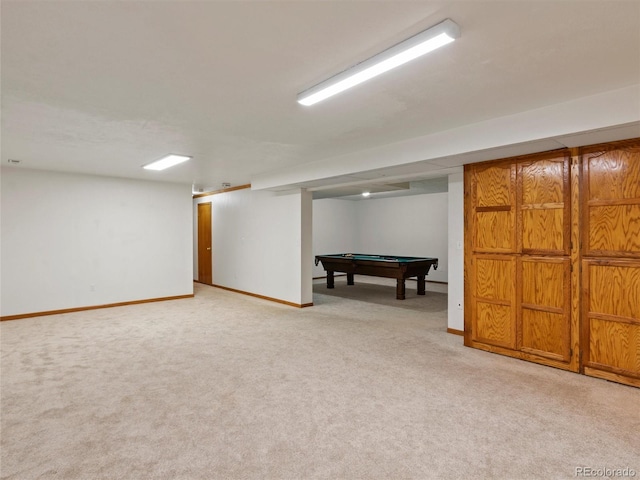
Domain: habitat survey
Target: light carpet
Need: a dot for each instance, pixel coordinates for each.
(227, 386)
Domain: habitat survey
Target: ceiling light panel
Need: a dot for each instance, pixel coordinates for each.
(166, 162)
(410, 49)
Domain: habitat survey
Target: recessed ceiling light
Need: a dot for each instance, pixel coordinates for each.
(166, 162)
(424, 42)
(366, 194)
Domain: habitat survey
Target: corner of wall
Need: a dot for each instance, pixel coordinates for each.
(455, 319)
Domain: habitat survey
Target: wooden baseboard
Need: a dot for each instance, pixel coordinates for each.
(91, 307)
(455, 332)
(263, 297)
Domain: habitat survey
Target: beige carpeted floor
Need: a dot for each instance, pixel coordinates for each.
(226, 386)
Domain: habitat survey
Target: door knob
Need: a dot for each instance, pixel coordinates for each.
(208, 248)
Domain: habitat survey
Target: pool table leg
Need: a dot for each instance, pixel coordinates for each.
(421, 288)
(329, 279)
(400, 288)
(349, 278)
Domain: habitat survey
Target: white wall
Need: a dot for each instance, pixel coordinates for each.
(456, 252)
(306, 250)
(415, 226)
(72, 240)
(334, 228)
(260, 243)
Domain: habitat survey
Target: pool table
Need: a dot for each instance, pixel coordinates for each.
(388, 266)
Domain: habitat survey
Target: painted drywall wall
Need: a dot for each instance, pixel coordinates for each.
(334, 228)
(456, 252)
(260, 243)
(306, 246)
(414, 225)
(72, 240)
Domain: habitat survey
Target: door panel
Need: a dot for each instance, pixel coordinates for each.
(545, 305)
(544, 214)
(614, 346)
(611, 202)
(495, 231)
(610, 332)
(494, 186)
(612, 309)
(493, 278)
(543, 181)
(204, 243)
(495, 324)
(544, 333)
(614, 288)
(543, 229)
(544, 268)
(613, 174)
(494, 209)
(545, 282)
(495, 301)
(614, 230)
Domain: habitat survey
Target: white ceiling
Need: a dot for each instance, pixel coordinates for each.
(105, 87)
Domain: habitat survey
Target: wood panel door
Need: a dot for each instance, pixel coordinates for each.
(519, 259)
(611, 262)
(552, 259)
(205, 263)
(491, 249)
(546, 328)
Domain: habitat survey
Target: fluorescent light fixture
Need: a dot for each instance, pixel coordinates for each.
(166, 162)
(424, 42)
(366, 194)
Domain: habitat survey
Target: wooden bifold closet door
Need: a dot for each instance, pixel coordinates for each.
(552, 259)
(518, 257)
(611, 262)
